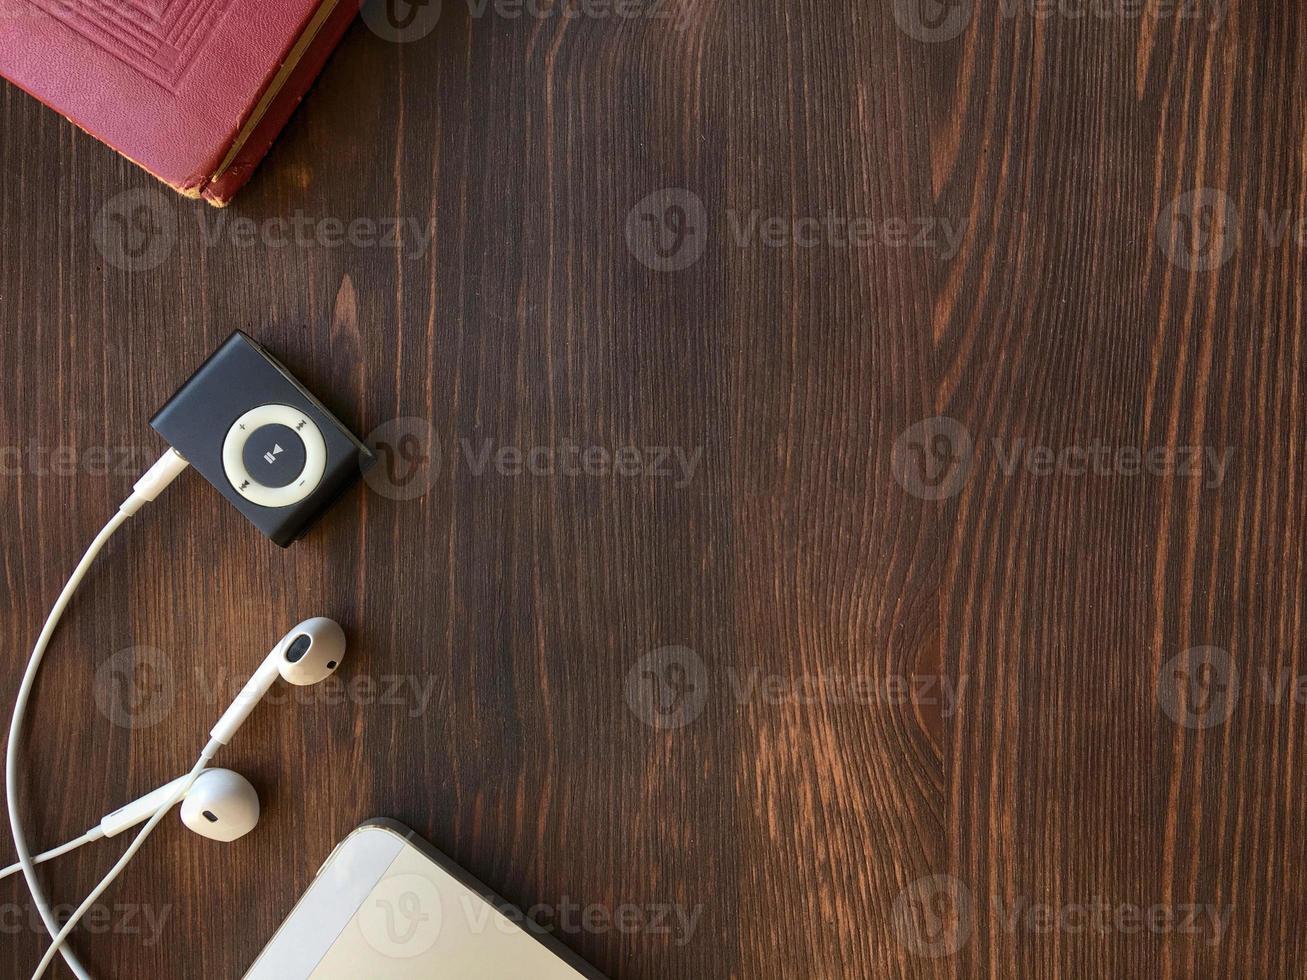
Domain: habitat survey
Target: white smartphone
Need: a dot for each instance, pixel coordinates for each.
(387, 905)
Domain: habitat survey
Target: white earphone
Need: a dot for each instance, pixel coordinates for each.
(222, 805)
(309, 653)
(198, 424)
(217, 804)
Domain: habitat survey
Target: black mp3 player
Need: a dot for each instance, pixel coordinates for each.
(252, 430)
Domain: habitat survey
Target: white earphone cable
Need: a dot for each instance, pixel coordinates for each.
(25, 861)
(90, 837)
(123, 861)
(163, 472)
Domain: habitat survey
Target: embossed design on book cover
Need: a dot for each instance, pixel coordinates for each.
(158, 38)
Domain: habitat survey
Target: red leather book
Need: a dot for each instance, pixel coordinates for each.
(195, 91)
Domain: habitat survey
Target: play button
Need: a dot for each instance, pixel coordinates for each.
(274, 455)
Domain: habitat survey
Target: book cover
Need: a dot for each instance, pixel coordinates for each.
(194, 91)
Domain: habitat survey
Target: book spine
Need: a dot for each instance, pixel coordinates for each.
(253, 143)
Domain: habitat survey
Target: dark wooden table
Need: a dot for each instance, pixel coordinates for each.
(790, 545)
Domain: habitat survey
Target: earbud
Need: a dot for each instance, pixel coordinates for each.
(221, 805)
(309, 653)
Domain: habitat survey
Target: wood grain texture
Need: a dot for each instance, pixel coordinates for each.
(810, 800)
